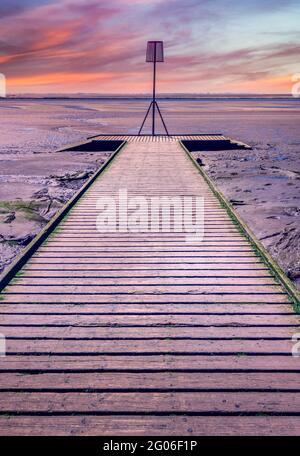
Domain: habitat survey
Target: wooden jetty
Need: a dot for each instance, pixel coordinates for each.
(127, 333)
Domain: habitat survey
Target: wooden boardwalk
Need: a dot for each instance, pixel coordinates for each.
(143, 333)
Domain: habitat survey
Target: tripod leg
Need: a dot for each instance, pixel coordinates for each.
(153, 118)
(162, 119)
(145, 118)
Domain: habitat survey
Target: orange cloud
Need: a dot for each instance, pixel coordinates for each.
(275, 84)
(59, 78)
(54, 37)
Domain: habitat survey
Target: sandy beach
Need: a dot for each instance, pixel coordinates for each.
(263, 183)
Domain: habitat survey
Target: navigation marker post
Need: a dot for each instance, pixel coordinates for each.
(155, 53)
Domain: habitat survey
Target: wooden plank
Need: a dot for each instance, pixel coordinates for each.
(143, 250)
(146, 289)
(141, 238)
(106, 381)
(81, 222)
(144, 237)
(186, 363)
(149, 332)
(93, 347)
(211, 221)
(148, 320)
(208, 198)
(137, 241)
(218, 259)
(134, 246)
(259, 282)
(57, 308)
(208, 230)
(150, 425)
(105, 275)
(93, 297)
(125, 266)
(211, 214)
(178, 256)
(152, 403)
(80, 214)
(153, 281)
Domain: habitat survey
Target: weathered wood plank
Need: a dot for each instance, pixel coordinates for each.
(97, 298)
(149, 332)
(195, 402)
(153, 255)
(227, 288)
(106, 275)
(239, 362)
(144, 237)
(150, 425)
(83, 249)
(143, 346)
(154, 281)
(171, 261)
(141, 308)
(125, 266)
(152, 381)
(148, 320)
(60, 241)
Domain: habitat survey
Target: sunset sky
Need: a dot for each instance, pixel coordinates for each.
(96, 46)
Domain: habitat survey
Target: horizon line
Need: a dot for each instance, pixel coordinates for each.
(145, 95)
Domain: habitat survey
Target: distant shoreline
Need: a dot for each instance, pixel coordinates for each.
(171, 97)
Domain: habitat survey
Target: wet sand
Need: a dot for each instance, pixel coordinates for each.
(263, 183)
